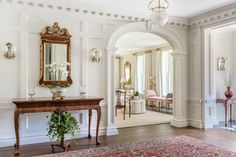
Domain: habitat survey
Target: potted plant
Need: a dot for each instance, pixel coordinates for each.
(136, 95)
(61, 123)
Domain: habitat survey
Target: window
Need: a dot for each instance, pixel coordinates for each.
(166, 72)
(140, 73)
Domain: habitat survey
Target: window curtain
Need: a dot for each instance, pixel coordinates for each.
(166, 73)
(148, 69)
(158, 73)
(140, 73)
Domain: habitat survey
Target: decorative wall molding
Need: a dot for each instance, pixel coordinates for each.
(215, 16)
(131, 17)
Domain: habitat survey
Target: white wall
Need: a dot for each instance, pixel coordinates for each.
(202, 102)
(222, 46)
(21, 25)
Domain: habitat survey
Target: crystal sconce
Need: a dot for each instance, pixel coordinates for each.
(9, 51)
(96, 55)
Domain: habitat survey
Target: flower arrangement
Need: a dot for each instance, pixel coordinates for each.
(228, 79)
(58, 71)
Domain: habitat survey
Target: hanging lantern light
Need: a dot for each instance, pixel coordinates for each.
(159, 15)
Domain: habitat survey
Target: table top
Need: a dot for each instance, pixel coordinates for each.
(47, 99)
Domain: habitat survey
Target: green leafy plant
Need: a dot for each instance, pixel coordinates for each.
(136, 93)
(61, 123)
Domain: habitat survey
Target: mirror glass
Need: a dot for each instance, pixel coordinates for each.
(54, 53)
(127, 72)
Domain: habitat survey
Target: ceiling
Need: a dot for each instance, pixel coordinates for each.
(138, 41)
(180, 8)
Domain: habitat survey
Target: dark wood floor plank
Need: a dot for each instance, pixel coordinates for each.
(217, 137)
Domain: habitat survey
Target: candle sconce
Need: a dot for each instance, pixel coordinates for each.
(9, 51)
(96, 55)
(221, 63)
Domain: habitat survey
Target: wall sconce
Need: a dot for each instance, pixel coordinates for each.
(221, 63)
(96, 55)
(9, 51)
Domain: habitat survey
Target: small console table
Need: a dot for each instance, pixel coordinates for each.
(50, 105)
(228, 108)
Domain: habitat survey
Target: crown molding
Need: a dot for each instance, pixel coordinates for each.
(214, 16)
(217, 15)
(85, 9)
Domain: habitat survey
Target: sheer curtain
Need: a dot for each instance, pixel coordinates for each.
(166, 72)
(140, 83)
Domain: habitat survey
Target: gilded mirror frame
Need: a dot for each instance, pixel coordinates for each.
(127, 67)
(55, 34)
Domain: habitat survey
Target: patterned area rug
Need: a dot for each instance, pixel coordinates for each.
(180, 146)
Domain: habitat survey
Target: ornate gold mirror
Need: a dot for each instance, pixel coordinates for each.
(127, 73)
(55, 56)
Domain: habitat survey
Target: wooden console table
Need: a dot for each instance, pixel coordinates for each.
(49, 105)
(228, 108)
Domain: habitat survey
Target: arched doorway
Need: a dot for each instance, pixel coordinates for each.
(179, 54)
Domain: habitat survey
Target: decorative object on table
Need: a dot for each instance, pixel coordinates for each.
(9, 51)
(136, 95)
(58, 71)
(83, 91)
(96, 55)
(228, 93)
(31, 91)
(61, 123)
(55, 47)
(159, 15)
(178, 146)
(228, 83)
(221, 63)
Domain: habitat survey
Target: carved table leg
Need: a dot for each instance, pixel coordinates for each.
(98, 123)
(129, 107)
(226, 115)
(16, 121)
(90, 119)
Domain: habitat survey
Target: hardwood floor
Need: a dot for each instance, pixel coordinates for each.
(215, 136)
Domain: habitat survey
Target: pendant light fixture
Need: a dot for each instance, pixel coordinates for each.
(159, 15)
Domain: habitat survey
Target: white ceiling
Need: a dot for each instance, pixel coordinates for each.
(181, 8)
(138, 41)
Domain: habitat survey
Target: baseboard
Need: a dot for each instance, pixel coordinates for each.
(195, 123)
(112, 130)
(179, 123)
(44, 138)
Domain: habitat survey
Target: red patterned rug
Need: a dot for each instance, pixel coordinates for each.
(180, 146)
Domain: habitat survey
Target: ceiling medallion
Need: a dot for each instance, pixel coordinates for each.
(159, 15)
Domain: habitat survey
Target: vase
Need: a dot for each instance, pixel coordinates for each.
(58, 92)
(136, 97)
(228, 93)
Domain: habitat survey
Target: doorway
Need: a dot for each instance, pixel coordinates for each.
(219, 56)
(143, 66)
(179, 70)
